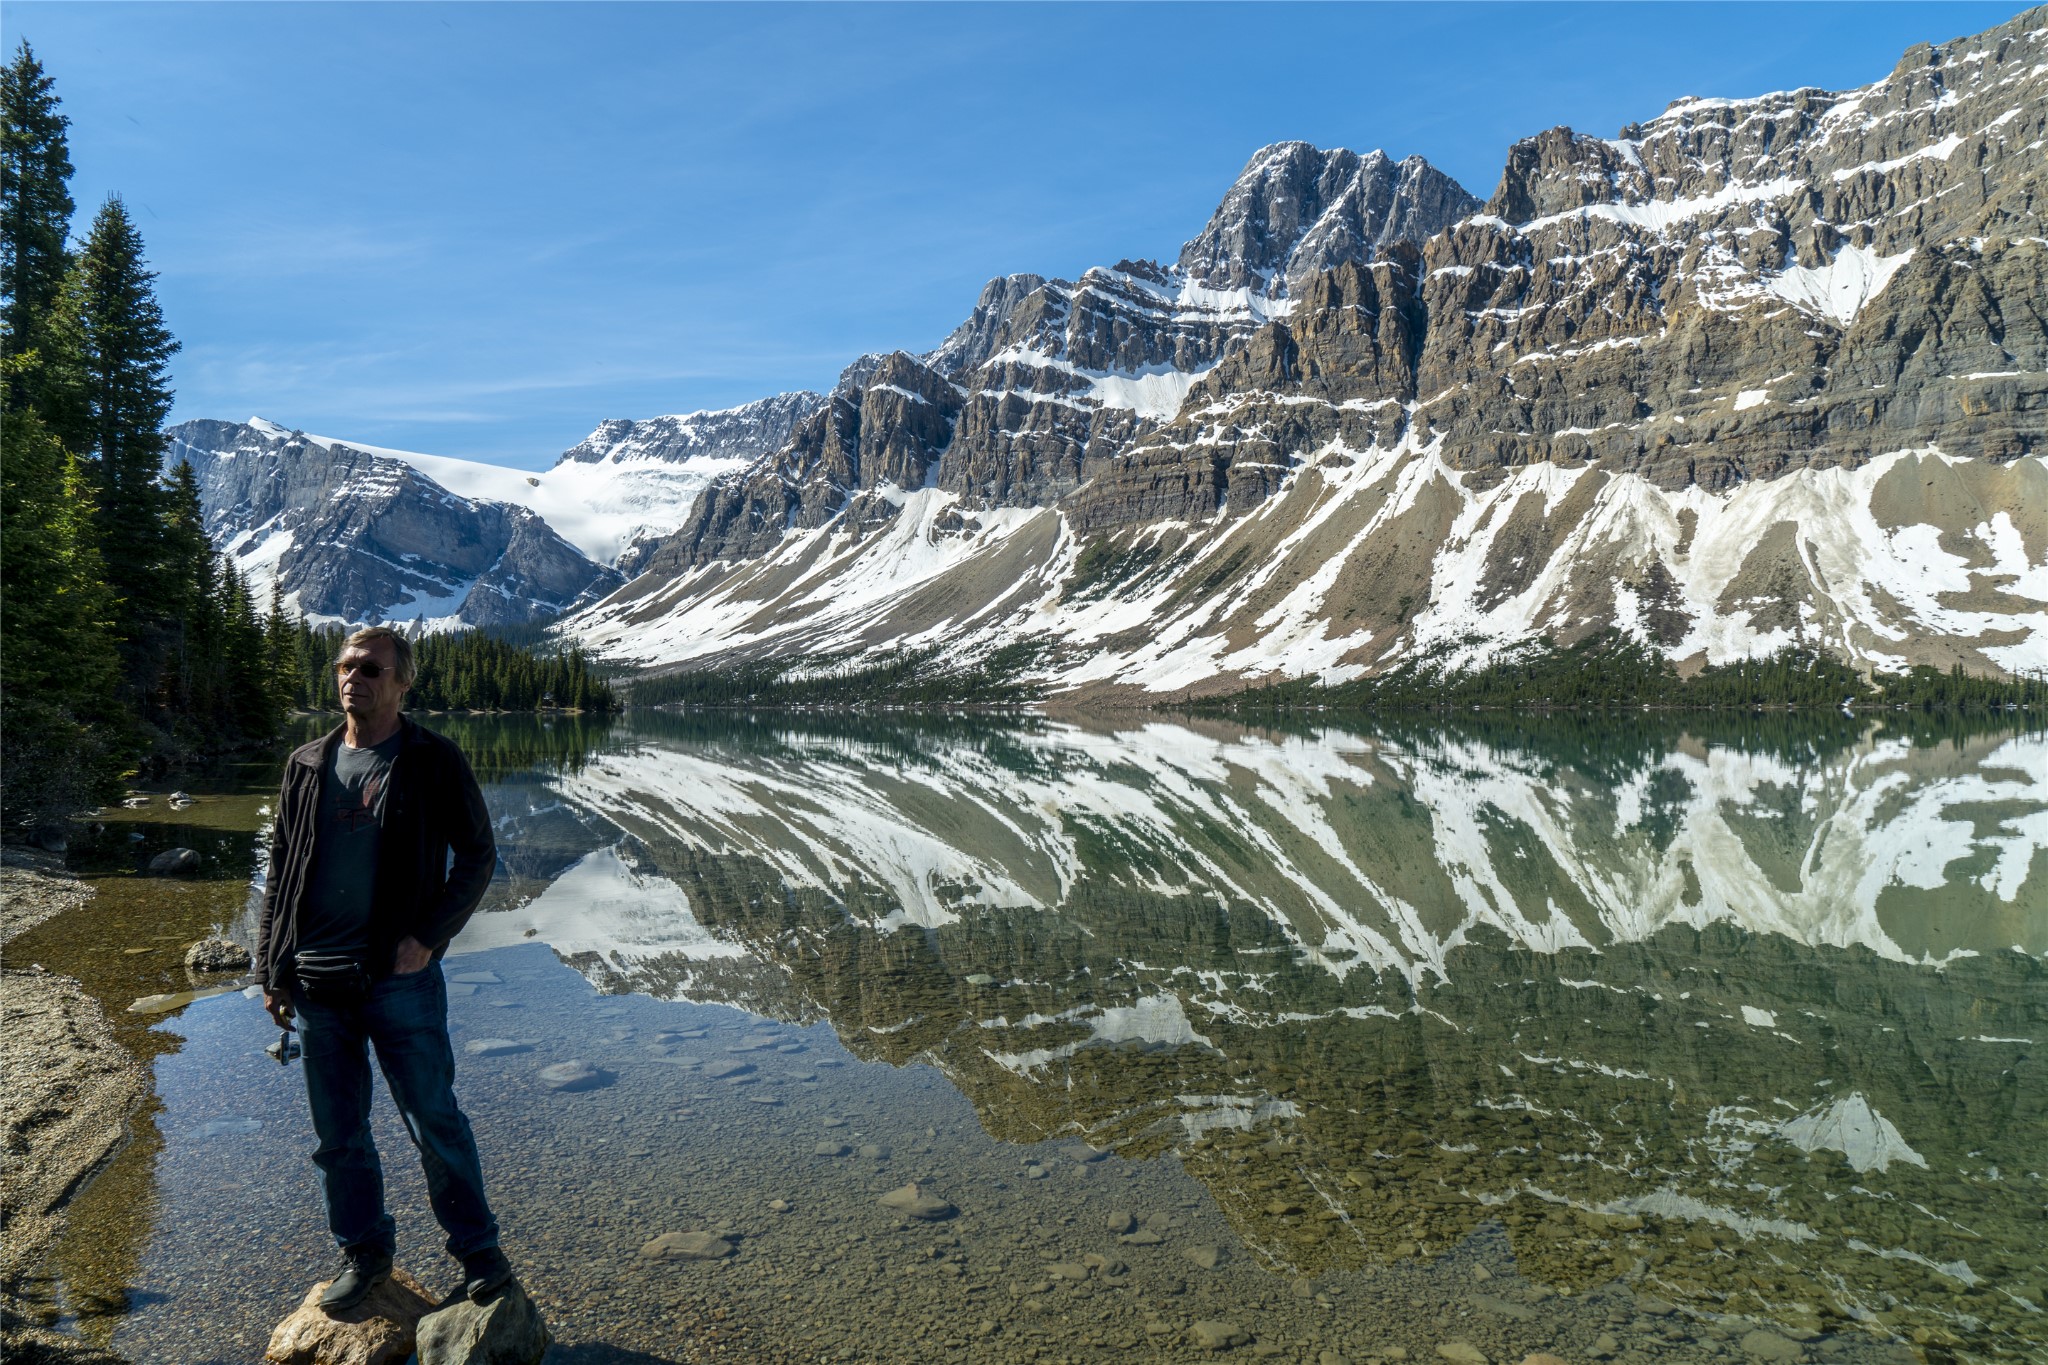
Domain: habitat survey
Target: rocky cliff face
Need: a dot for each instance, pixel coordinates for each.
(1296, 211)
(1049, 382)
(1752, 373)
(355, 536)
(883, 427)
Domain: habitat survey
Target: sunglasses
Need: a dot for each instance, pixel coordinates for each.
(369, 668)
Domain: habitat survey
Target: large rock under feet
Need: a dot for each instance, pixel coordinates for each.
(378, 1331)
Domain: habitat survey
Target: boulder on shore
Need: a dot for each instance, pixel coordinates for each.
(381, 1330)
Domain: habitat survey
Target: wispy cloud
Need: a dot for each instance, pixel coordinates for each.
(253, 252)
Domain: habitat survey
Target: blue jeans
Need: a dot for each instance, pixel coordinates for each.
(406, 1020)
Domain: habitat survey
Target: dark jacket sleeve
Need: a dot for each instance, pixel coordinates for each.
(267, 925)
(466, 824)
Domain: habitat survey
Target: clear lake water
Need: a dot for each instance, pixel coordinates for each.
(1680, 1039)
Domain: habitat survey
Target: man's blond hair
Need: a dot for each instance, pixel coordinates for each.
(400, 647)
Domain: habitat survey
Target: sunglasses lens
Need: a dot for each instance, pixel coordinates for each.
(370, 670)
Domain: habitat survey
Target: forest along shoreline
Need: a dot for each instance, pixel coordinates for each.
(71, 1094)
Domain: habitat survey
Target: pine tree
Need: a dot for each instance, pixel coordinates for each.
(191, 682)
(65, 737)
(280, 655)
(124, 358)
(185, 547)
(247, 709)
(35, 214)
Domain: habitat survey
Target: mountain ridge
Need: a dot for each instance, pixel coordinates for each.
(326, 527)
(1751, 373)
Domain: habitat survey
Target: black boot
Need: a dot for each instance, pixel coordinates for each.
(363, 1269)
(484, 1273)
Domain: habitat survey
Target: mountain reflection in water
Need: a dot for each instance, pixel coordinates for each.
(1754, 1021)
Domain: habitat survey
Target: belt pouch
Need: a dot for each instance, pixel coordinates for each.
(332, 980)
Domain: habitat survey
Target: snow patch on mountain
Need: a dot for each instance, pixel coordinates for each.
(602, 507)
(1839, 288)
(834, 581)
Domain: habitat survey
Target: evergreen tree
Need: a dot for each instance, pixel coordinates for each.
(246, 708)
(190, 682)
(124, 359)
(185, 548)
(281, 668)
(35, 213)
(64, 739)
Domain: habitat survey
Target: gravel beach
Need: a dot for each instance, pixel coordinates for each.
(65, 1108)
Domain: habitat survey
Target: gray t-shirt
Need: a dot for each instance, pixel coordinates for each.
(336, 918)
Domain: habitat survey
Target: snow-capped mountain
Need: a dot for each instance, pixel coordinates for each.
(1755, 372)
(362, 533)
(629, 484)
(358, 534)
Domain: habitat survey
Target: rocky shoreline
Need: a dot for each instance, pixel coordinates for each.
(71, 1091)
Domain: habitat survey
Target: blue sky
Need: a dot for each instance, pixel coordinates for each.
(478, 229)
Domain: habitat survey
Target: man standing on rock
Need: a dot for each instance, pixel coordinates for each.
(360, 903)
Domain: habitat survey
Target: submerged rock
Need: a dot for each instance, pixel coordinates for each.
(913, 1201)
(687, 1246)
(506, 1331)
(496, 1047)
(1763, 1344)
(381, 1330)
(174, 862)
(1212, 1335)
(159, 1004)
(216, 955)
(573, 1075)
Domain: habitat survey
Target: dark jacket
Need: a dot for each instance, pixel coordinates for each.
(433, 807)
